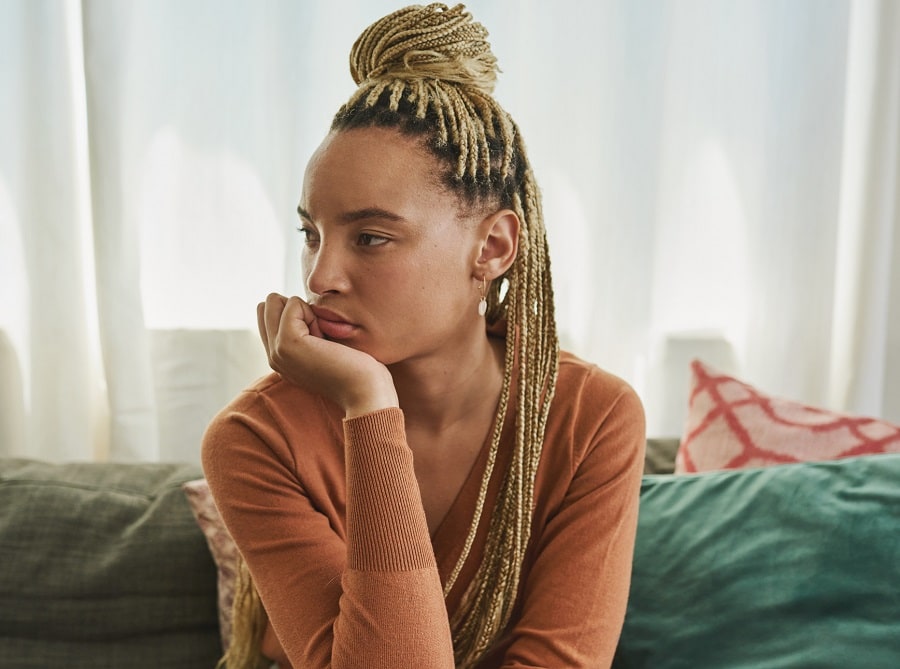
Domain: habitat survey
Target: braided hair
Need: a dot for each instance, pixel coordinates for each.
(428, 71)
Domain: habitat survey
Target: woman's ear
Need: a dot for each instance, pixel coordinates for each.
(499, 234)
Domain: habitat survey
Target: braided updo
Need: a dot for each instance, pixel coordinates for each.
(429, 72)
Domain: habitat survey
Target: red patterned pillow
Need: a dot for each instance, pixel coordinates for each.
(222, 547)
(732, 425)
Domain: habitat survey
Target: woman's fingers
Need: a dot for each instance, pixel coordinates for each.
(311, 321)
(298, 318)
(284, 323)
(261, 325)
(268, 320)
(272, 316)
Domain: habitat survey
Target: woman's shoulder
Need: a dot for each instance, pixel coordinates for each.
(595, 425)
(273, 405)
(590, 401)
(269, 393)
(583, 381)
(275, 417)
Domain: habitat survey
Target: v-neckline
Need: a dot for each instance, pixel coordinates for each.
(449, 536)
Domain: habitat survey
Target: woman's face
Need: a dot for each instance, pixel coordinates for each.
(388, 260)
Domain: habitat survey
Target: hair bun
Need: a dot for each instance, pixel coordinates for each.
(426, 42)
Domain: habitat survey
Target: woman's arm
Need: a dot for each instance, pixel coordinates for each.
(371, 598)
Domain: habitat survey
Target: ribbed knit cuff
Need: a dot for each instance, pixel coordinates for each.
(386, 526)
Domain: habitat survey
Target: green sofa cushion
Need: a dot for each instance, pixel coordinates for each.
(103, 566)
(794, 566)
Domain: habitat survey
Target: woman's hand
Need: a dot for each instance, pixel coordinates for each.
(296, 349)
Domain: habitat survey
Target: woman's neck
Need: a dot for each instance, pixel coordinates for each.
(439, 392)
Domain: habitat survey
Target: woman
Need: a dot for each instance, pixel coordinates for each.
(425, 481)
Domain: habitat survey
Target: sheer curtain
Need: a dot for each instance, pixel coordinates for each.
(720, 180)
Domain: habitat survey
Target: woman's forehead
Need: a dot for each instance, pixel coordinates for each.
(373, 157)
(374, 144)
(368, 167)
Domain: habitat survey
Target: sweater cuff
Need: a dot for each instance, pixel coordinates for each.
(386, 526)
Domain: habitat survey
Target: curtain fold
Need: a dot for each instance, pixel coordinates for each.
(108, 30)
(867, 283)
(44, 320)
(720, 180)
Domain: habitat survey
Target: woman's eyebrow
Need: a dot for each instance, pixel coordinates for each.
(358, 215)
(370, 212)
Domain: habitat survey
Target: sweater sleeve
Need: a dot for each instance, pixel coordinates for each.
(371, 599)
(574, 597)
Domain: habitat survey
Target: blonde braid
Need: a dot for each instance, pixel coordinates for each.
(430, 71)
(249, 621)
(443, 62)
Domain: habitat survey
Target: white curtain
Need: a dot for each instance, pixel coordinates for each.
(720, 180)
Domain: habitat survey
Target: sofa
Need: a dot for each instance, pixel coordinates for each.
(104, 565)
(787, 566)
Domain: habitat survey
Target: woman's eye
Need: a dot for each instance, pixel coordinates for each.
(310, 236)
(367, 239)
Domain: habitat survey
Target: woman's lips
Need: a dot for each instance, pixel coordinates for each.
(333, 324)
(336, 329)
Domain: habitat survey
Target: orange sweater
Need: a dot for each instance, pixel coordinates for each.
(328, 516)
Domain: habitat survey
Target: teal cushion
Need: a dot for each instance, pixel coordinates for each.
(780, 567)
(103, 566)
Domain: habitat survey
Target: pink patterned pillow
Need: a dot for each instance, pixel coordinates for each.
(732, 425)
(221, 545)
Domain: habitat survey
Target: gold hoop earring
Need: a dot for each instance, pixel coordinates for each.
(482, 303)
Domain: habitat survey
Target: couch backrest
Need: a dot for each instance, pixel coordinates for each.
(103, 566)
(773, 568)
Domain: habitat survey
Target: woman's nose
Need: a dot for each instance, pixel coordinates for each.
(325, 269)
